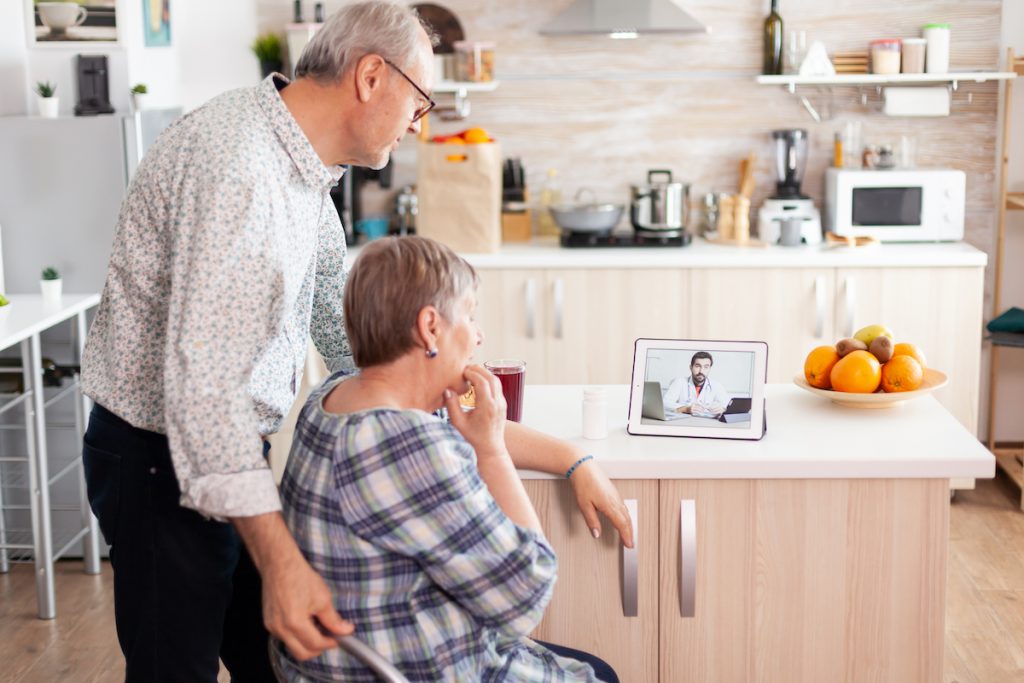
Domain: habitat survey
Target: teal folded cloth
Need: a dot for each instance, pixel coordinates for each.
(1010, 321)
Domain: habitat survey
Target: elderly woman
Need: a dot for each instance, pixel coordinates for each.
(421, 526)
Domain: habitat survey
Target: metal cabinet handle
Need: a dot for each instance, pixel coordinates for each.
(819, 301)
(630, 569)
(531, 308)
(688, 558)
(851, 304)
(558, 292)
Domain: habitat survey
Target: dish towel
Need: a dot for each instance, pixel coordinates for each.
(1010, 321)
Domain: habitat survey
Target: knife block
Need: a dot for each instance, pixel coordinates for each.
(515, 226)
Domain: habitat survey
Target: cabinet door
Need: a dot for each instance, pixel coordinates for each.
(938, 309)
(791, 309)
(511, 312)
(595, 315)
(587, 609)
(803, 580)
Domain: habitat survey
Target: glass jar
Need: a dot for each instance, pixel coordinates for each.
(937, 57)
(885, 56)
(474, 61)
(913, 55)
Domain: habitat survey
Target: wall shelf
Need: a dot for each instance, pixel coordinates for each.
(791, 81)
(465, 86)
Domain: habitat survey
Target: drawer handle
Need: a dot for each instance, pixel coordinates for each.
(688, 557)
(851, 305)
(559, 295)
(819, 300)
(531, 308)
(630, 570)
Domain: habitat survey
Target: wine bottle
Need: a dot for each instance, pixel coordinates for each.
(773, 41)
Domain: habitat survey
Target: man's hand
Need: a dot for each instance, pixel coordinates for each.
(297, 604)
(683, 409)
(596, 494)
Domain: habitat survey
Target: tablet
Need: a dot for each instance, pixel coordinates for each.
(698, 387)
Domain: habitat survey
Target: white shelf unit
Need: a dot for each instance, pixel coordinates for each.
(465, 86)
(791, 81)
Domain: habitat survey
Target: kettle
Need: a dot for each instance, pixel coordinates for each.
(660, 206)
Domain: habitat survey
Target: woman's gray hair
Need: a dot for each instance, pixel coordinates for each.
(377, 27)
(393, 279)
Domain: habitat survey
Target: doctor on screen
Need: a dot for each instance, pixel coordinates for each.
(697, 394)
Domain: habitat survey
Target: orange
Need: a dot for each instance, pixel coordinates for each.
(818, 366)
(904, 349)
(454, 140)
(902, 373)
(858, 372)
(475, 135)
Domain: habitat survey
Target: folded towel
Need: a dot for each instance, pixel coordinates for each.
(1010, 321)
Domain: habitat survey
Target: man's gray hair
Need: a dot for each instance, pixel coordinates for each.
(377, 27)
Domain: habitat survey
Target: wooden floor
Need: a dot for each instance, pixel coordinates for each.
(984, 623)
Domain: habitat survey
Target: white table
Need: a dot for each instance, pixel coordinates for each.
(808, 438)
(21, 323)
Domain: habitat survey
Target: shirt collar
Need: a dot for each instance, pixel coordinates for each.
(296, 144)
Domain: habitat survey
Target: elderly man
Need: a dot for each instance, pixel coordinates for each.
(228, 253)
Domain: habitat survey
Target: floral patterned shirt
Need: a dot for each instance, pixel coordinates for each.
(228, 253)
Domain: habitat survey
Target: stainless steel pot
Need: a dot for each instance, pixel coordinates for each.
(596, 217)
(661, 205)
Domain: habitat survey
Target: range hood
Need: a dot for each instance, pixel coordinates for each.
(622, 19)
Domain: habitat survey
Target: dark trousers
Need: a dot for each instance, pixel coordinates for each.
(185, 590)
(602, 669)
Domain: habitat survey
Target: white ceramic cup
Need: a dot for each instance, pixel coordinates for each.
(60, 16)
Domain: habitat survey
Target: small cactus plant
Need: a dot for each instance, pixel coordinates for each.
(140, 89)
(46, 89)
(50, 274)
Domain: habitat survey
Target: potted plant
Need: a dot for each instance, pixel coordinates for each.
(139, 93)
(267, 49)
(47, 99)
(51, 285)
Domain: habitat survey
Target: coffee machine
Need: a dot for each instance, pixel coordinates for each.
(789, 205)
(347, 194)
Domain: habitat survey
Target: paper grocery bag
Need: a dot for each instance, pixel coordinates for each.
(459, 193)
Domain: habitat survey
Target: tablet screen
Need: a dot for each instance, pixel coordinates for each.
(698, 388)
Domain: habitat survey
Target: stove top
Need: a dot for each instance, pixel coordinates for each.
(633, 239)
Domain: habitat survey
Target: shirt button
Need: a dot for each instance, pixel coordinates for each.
(152, 470)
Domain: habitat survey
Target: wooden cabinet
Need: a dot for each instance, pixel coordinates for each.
(805, 580)
(578, 325)
(790, 308)
(587, 610)
(791, 580)
(939, 309)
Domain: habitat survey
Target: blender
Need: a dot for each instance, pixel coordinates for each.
(789, 217)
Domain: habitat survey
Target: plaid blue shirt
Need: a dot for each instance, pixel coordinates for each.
(387, 505)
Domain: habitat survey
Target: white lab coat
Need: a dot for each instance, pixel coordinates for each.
(682, 392)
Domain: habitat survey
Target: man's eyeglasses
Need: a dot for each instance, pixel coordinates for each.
(422, 111)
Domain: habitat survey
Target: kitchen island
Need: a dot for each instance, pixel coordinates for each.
(815, 554)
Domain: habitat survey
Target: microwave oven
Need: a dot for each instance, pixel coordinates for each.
(908, 205)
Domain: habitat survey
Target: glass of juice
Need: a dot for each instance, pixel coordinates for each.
(512, 375)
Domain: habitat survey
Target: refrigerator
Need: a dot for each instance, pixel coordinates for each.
(61, 185)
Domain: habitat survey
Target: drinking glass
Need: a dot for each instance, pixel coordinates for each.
(908, 151)
(512, 375)
(796, 50)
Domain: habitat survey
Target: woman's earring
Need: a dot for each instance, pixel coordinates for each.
(432, 353)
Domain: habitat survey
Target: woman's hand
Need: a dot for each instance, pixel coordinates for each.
(484, 426)
(595, 494)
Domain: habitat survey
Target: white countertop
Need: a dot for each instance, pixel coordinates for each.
(27, 314)
(808, 438)
(545, 253)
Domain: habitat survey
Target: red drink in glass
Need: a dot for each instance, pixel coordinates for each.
(512, 375)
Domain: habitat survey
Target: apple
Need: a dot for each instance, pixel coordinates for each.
(868, 334)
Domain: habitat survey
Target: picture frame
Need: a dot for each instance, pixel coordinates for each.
(74, 23)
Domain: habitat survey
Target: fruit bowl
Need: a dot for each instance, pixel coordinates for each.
(933, 379)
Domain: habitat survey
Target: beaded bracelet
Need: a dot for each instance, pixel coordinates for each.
(577, 464)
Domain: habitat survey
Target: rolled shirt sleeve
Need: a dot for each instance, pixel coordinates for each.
(425, 499)
(225, 305)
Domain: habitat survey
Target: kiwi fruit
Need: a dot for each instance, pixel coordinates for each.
(849, 345)
(881, 348)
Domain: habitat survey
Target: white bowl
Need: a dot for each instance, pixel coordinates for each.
(933, 379)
